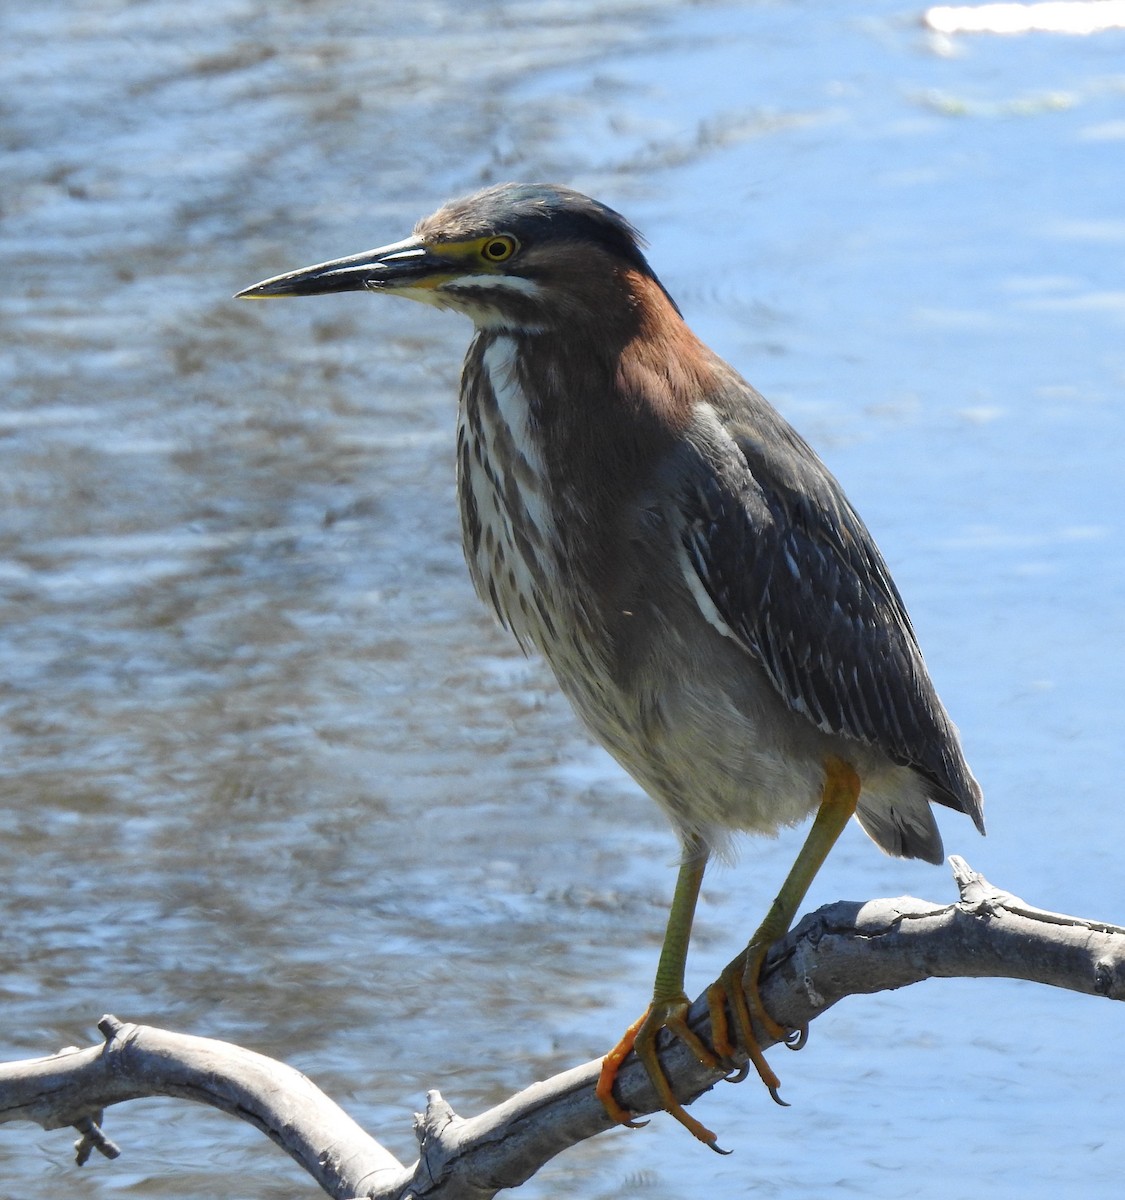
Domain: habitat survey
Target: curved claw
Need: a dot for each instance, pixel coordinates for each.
(738, 1074)
(797, 1039)
(640, 1038)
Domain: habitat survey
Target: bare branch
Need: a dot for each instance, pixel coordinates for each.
(73, 1086)
(840, 950)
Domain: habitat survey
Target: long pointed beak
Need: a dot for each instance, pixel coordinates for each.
(403, 264)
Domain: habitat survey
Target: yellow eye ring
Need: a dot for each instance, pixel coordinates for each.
(498, 249)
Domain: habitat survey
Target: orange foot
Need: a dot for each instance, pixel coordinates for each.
(738, 988)
(640, 1038)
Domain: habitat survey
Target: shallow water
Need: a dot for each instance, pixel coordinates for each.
(270, 773)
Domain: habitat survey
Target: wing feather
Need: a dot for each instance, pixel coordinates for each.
(794, 573)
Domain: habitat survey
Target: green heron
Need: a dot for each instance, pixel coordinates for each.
(710, 603)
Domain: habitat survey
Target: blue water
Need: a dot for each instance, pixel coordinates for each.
(269, 772)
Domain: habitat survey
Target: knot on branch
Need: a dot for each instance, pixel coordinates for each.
(93, 1139)
(1105, 978)
(978, 896)
(110, 1027)
(438, 1131)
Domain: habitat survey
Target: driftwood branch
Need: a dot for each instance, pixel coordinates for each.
(840, 950)
(74, 1086)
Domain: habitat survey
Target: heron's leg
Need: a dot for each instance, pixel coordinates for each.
(669, 1005)
(738, 983)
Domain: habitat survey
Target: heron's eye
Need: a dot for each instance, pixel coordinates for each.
(498, 249)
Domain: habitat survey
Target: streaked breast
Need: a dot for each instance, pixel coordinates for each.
(509, 535)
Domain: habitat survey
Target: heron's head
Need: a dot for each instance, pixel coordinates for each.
(514, 256)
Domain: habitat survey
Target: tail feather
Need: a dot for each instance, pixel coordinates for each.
(904, 829)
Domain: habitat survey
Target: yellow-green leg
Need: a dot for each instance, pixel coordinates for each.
(669, 1006)
(738, 984)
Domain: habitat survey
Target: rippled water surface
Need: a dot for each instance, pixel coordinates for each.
(269, 772)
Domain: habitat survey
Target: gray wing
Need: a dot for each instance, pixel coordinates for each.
(798, 579)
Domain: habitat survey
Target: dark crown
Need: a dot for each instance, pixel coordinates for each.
(537, 212)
